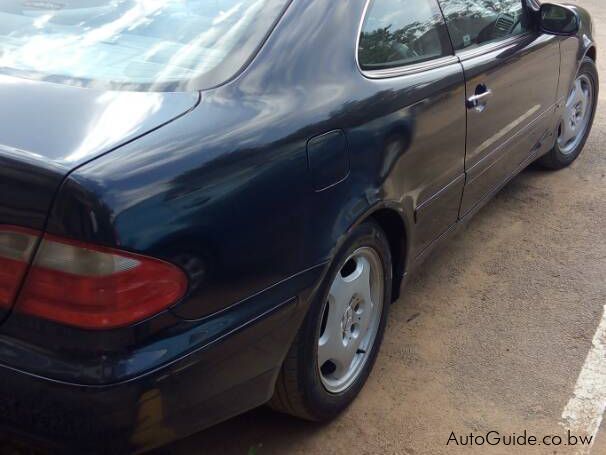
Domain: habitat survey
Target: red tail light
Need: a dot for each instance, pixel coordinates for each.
(16, 248)
(96, 287)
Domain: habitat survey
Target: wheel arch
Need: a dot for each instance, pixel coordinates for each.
(592, 53)
(393, 223)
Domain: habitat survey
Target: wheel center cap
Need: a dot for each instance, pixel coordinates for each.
(347, 320)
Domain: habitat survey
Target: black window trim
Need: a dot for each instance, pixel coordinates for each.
(404, 69)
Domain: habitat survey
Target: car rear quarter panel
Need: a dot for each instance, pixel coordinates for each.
(226, 192)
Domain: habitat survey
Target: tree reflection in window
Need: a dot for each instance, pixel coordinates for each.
(476, 22)
(401, 32)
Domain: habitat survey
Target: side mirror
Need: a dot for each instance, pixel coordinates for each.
(558, 19)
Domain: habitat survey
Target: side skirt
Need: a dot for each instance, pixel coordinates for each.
(455, 228)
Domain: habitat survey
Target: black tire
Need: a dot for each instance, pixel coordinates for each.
(299, 390)
(555, 159)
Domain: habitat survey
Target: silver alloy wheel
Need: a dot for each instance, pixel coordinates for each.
(351, 319)
(577, 115)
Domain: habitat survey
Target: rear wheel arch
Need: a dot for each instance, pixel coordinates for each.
(393, 225)
(592, 53)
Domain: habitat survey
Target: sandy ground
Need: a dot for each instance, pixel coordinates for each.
(491, 334)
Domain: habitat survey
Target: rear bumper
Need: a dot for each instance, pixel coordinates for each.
(226, 378)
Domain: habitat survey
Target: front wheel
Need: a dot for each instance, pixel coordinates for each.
(576, 121)
(338, 342)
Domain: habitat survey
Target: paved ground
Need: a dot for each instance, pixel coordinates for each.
(492, 334)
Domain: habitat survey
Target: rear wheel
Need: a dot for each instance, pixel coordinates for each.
(577, 118)
(338, 342)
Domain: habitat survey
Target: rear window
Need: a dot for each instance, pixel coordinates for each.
(133, 44)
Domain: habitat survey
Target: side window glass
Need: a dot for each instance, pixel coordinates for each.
(475, 22)
(402, 32)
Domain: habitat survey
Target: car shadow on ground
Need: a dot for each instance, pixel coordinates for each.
(248, 433)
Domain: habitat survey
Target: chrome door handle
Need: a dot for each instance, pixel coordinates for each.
(478, 101)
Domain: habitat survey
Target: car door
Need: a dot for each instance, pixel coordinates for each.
(414, 80)
(511, 73)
